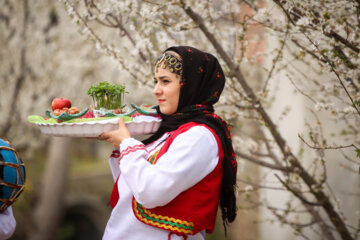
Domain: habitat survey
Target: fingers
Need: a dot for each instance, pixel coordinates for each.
(90, 138)
(124, 129)
(121, 123)
(117, 136)
(104, 136)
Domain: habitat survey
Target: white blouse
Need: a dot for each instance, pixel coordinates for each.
(7, 224)
(191, 157)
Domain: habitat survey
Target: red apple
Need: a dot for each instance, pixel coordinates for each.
(60, 103)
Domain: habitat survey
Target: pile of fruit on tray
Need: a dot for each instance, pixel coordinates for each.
(66, 120)
(60, 105)
(63, 111)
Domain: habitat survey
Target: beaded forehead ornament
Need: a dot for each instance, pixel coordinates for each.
(169, 61)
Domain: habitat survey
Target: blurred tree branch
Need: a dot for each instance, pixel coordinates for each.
(19, 81)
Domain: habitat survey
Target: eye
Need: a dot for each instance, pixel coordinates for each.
(155, 81)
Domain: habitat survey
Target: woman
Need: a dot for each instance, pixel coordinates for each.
(169, 186)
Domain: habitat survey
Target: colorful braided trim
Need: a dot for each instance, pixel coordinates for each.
(163, 222)
(153, 158)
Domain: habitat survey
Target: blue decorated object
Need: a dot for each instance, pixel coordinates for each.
(12, 175)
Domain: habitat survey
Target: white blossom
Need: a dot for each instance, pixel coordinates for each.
(238, 142)
(251, 145)
(248, 188)
(349, 110)
(262, 14)
(319, 106)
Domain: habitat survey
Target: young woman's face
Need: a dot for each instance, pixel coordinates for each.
(167, 90)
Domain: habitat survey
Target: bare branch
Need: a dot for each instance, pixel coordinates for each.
(276, 59)
(348, 158)
(302, 92)
(340, 53)
(327, 147)
(269, 148)
(296, 193)
(295, 226)
(350, 169)
(243, 107)
(262, 163)
(308, 51)
(285, 12)
(325, 228)
(339, 38)
(260, 186)
(251, 5)
(22, 75)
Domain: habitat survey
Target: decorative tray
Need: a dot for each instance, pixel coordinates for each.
(140, 125)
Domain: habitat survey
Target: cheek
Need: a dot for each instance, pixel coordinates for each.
(177, 94)
(176, 97)
(175, 91)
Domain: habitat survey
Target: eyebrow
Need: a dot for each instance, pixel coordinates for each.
(162, 77)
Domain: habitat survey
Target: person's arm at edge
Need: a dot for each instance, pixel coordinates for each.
(7, 224)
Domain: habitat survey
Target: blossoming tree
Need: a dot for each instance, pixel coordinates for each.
(312, 46)
(314, 42)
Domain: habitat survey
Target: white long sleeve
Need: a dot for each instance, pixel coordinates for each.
(191, 156)
(7, 224)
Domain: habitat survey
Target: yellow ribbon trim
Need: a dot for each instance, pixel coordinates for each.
(162, 225)
(167, 218)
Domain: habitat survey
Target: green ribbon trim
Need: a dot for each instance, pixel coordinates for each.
(173, 224)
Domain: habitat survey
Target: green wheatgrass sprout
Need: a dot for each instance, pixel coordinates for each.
(105, 95)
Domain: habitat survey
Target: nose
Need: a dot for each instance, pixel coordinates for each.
(157, 90)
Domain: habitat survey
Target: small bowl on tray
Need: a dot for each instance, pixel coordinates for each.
(145, 109)
(126, 111)
(65, 116)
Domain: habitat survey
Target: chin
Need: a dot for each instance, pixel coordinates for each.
(166, 111)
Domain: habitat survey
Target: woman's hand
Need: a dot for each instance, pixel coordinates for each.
(117, 136)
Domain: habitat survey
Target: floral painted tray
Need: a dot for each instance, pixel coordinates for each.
(140, 125)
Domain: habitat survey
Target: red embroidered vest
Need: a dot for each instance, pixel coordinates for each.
(194, 209)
